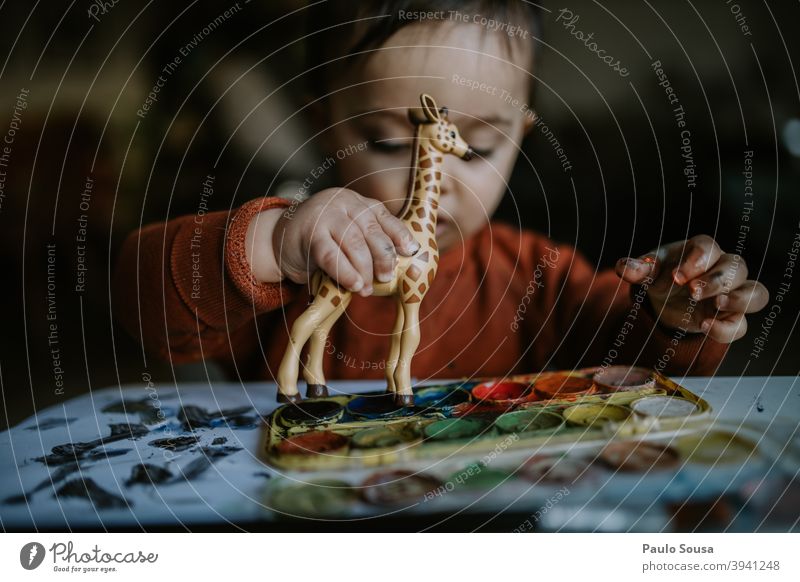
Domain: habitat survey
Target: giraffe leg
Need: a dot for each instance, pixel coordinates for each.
(312, 371)
(408, 346)
(394, 349)
(302, 328)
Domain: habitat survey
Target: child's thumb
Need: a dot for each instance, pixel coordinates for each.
(637, 270)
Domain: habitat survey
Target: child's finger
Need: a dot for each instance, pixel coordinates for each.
(729, 272)
(384, 257)
(396, 230)
(328, 256)
(750, 297)
(352, 242)
(699, 254)
(725, 329)
(637, 270)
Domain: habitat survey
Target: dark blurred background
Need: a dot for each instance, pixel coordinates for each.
(74, 74)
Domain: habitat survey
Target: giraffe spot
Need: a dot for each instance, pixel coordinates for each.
(413, 299)
(426, 163)
(422, 287)
(422, 258)
(417, 184)
(438, 175)
(438, 159)
(430, 228)
(323, 292)
(413, 272)
(434, 204)
(406, 287)
(422, 152)
(432, 187)
(431, 275)
(432, 244)
(428, 177)
(336, 301)
(416, 226)
(421, 212)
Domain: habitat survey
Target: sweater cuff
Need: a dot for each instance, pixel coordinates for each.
(263, 296)
(679, 352)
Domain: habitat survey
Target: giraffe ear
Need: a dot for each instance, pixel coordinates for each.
(429, 107)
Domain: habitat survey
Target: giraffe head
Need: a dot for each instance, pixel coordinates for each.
(437, 130)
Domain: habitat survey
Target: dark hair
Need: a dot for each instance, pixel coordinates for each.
(343, 31)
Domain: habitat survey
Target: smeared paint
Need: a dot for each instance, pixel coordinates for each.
(313, 443)
(194, 417)
(49, 423)
(384, 436)
(199, 466)
(759, 405)
(148, 474)
(397, 486)
(92, 492)
(145, 408)
(322, 498)
(640, 456)
(55, 477)
(75, 452)
(219, 441)
(179, 443)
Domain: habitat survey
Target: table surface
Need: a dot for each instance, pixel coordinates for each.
(221, 481)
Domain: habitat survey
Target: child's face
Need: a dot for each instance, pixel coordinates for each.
(391, 81)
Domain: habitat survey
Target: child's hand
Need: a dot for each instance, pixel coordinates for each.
(350, 237)
(698, 270)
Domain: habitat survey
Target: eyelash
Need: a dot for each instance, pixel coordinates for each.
(385, 147)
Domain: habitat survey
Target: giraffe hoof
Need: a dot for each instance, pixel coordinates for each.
(289, 398)
(316, 391)
(404, 400)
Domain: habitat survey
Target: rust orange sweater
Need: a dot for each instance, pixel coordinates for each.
(504, 301)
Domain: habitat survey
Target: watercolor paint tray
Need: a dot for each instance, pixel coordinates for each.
(542, 413)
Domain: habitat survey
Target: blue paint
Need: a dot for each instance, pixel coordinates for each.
(372, 406)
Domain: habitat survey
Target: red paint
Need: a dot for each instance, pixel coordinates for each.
(312, 443)
(499, 390)
(559, 386)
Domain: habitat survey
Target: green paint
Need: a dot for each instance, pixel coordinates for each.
(454, 428)
(478, 476)
(528, 421)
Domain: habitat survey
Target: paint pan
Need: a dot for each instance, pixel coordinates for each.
(478, 476)
(316, 442)
(384, 436)
(562, 386)
(440, 397)
(450, 429)
(397, 487)
(373, 406)
(529, 420)
(638, 456)
(595, 415)
(716, 448)
(501, 391)
(664, 407)
(624, 379)
(310, 413)
(555, 469)
(322, 498)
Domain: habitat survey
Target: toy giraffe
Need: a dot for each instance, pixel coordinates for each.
(434, 136)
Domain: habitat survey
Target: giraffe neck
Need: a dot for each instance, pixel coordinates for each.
(422, 206)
